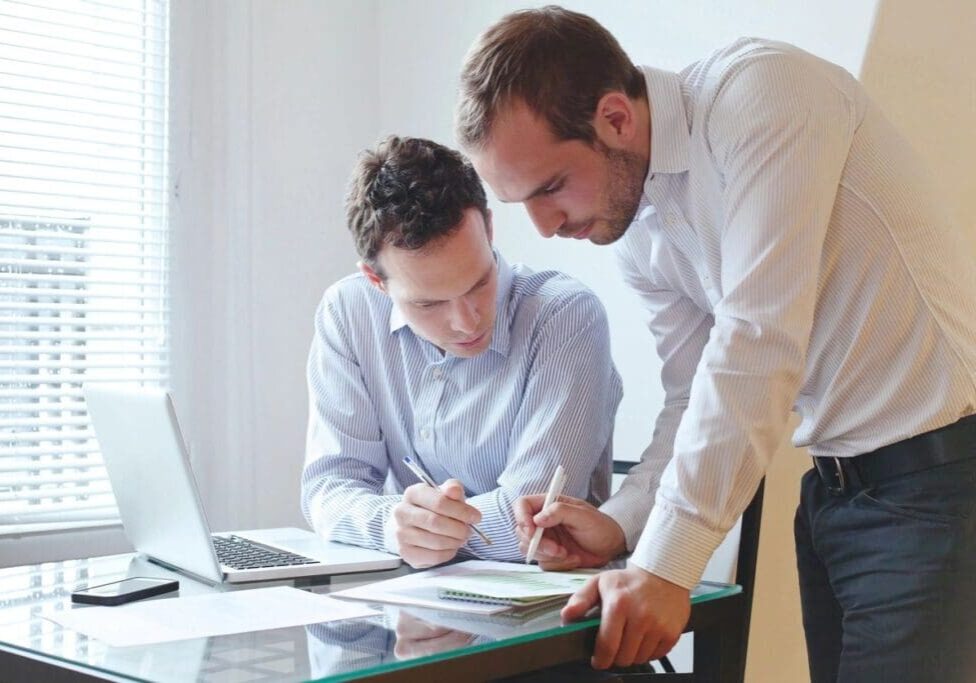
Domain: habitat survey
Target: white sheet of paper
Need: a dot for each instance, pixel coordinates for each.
(201, 616)
(420, 588)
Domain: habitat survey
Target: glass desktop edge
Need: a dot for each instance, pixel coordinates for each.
(721, 590)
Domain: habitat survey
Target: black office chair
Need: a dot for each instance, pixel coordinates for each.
(722, 658)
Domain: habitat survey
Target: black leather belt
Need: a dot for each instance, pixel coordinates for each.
(953, 442)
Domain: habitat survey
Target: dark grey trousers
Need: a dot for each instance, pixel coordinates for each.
(888, 575)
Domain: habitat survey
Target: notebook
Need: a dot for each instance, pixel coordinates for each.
(475, 586)
(160, 507)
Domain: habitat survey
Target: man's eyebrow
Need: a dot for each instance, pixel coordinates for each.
(538, 190)
(481, 281)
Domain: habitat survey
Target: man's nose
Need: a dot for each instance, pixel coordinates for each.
(466, 318)
(548, 220)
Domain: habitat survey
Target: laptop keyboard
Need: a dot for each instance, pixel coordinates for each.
(240, 553)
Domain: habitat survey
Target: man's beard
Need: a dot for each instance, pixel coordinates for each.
(625, 185)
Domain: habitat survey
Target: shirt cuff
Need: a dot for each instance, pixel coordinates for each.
(675, 547)
(629, 509)
(390, 542)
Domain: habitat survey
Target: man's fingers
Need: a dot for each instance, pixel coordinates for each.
(582, 600)
(422, 538)
(524, 509)
(560, 565)
(664, 646)
(412, 517)
(631, 640)
(453, 489)
(648, 649)
(551, 548)
(612, 624)
(564, 511)
(421, 558)
(435, 500)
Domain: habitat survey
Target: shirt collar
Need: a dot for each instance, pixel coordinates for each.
(500, 334)
(670, 137)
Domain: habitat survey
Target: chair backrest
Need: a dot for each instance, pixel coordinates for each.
(745, 570)
(746, 560)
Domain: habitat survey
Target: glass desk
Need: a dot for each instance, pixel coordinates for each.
(401, 644)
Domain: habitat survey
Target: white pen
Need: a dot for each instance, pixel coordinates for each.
(424, 477)
(555, 488)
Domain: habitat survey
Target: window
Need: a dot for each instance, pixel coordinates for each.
(83, 240)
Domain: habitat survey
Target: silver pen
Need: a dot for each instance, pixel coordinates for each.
(424, 477)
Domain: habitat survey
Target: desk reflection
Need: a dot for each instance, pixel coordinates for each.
(408, 633)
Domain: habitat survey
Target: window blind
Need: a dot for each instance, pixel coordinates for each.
(83, 240)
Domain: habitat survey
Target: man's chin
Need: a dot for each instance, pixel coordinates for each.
(469, 351)
(607, 233)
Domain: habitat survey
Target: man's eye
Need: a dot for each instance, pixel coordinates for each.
(554, 188)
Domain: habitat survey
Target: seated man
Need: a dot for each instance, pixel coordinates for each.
(488, 375)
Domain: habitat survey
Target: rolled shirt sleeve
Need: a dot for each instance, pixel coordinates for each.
(346, 460)
(781, 156)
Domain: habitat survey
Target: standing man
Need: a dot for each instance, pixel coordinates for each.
(488, 375)
(787, 247)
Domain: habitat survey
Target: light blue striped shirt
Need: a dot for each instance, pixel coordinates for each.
(544, 393)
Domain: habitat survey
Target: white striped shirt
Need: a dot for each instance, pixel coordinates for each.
(544, 393)
(791, 256)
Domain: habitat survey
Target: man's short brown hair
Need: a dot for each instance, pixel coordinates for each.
(409, 193)
(560, 63)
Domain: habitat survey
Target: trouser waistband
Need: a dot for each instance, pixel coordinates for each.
(956, 441)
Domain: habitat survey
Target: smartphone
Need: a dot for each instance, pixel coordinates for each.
(126, 590)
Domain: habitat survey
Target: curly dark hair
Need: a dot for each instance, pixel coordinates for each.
(408, 193)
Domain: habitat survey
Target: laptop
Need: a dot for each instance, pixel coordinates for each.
(159, 504)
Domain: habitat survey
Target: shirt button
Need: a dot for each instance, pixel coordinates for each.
(670, 219)
(438, 373)
(425, 433)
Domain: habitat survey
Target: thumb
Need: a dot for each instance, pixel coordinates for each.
(582, 600)
(558, 513)
(453, 489)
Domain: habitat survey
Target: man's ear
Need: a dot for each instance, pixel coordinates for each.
(371, 275)
(615, 121)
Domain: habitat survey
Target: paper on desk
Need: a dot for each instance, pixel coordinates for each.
(200, 616)
(504, 579)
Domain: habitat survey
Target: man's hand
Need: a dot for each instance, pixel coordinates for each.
(576, 533)
(642, 616)
(417, 638)
(431, 524)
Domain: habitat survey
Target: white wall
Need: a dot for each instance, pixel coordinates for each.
(273, 102)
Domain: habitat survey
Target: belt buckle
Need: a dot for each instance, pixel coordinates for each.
(832, 477)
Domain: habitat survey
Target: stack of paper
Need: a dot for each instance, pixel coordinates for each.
(475, 586)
